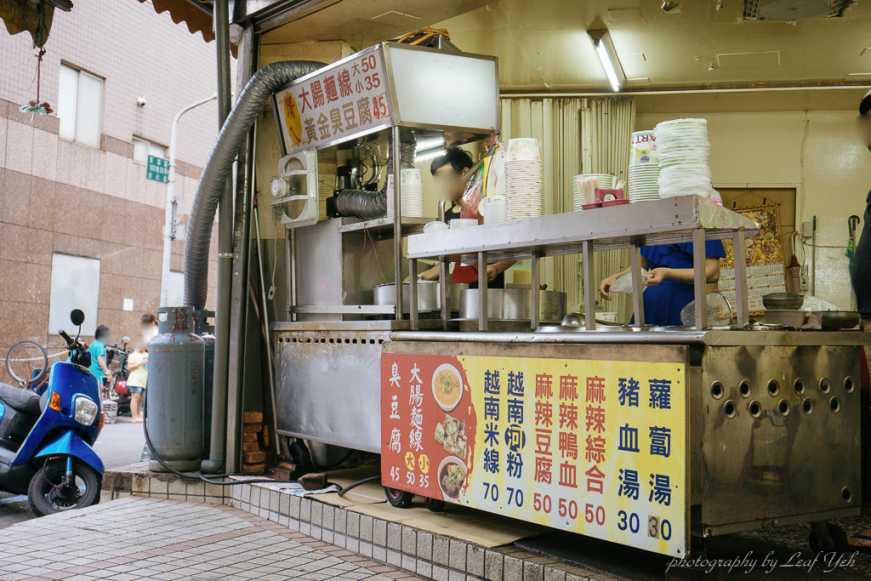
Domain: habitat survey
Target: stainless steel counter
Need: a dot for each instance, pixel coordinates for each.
(715, 337)
(685, 219)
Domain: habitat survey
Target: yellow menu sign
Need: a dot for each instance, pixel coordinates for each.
(593, 447)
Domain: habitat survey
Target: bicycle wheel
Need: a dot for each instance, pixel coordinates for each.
(27, 363)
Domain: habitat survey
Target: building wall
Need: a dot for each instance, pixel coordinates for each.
(816, 152)
(58, 196)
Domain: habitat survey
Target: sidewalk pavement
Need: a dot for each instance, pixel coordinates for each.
(143, 538)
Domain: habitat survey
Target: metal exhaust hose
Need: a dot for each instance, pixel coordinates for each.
(257, 92)
(370, 205)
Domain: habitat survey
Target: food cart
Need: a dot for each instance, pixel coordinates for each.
(638, 435)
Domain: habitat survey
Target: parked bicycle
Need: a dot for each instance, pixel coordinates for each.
(118, 390)
(27, 365)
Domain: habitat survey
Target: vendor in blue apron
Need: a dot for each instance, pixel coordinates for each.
(669, 279)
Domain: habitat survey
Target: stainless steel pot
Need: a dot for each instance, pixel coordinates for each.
(514, 305)
(456, 291)
(427, 296)
(469, 304)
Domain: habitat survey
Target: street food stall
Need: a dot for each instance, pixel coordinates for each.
(640, 435)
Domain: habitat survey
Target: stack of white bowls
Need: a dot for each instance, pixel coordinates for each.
(643, 167)
(604, 181)
(411, 192)
(684, 149)
(523, 179)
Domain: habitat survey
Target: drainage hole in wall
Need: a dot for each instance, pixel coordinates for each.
(848, 384)
(773, 388)
(835, 405)
(729, 409)
(717, 390)
(744, 388)
(807, 406)
(755, 409)
(846, 494)
(783, 407)
(825, 385)
(799, 386)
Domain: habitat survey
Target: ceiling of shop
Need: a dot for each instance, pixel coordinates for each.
(543, 46)
(362, 23)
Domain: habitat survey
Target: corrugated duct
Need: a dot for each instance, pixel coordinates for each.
(217, 169)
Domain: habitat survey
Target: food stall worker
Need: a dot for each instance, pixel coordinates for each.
(447, 171)
(861, 274)
(670, 279)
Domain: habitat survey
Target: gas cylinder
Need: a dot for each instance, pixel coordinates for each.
(207, 334)
(175, 391)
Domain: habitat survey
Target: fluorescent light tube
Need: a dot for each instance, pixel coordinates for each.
(607, 64)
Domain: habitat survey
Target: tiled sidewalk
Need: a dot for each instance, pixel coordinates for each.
(142, 538)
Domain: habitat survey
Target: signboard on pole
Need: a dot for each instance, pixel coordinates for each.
(592, 447)
(157, 169)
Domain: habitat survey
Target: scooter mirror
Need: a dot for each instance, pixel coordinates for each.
(77, 317)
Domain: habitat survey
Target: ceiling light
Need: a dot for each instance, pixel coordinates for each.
(608, 56)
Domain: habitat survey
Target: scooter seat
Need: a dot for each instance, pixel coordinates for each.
(23, 400)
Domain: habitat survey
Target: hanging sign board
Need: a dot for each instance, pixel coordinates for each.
(347, 99)
(592, 447)
(386, 85)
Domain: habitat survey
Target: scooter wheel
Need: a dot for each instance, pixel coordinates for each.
(47, 496)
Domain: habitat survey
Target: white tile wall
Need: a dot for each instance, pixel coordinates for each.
(139, 53)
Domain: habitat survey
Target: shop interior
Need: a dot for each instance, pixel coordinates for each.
(780, 97)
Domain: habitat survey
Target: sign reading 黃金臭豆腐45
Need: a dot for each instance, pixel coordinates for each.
(337, 104)
(593, 447)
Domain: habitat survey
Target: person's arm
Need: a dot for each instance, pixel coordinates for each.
(606, 284)
(430, 274)
(101, 360)
(687, 275)
(139, 363)
(498, 268)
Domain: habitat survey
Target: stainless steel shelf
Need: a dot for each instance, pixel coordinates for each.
(659, 222)
(409, 225)
(685, 219)
(343, 309)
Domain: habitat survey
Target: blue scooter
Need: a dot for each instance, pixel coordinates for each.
(45, 441)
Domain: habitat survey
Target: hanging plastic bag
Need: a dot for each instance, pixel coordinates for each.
(488, 179)
(624, 283)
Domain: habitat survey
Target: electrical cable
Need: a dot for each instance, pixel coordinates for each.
(358, 483)
(199, 475)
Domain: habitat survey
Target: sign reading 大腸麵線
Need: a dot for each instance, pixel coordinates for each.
(157, 169)
(593, 447)
(337, 104)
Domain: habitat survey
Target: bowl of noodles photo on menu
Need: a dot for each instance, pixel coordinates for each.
(452, 477)
(447, 386)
